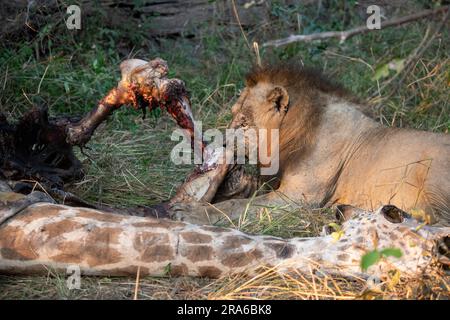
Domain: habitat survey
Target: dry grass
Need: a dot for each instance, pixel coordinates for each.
(266, 285)
(315, 285)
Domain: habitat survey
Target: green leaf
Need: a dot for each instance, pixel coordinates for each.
(167, 269)
(391, 252)
(370, 258)
(337, 235)
(381, 72)
(397, 64)
(95, 64)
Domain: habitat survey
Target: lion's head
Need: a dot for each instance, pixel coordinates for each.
(263, 105)
(287, 97)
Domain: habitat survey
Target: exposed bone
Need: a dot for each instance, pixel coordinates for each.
(145, 85)
(43, 236)
(202, 185)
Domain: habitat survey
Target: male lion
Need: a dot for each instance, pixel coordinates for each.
(331, 152)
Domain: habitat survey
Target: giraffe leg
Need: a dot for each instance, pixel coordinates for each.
(225, 211)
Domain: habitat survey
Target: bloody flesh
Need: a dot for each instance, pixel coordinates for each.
(144, 85)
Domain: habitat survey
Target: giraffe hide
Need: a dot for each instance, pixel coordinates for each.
(37, 236)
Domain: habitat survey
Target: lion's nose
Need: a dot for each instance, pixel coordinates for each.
(238, 121)
(235, 109)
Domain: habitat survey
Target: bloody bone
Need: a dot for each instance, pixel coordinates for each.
(145, 85)
(202, 185)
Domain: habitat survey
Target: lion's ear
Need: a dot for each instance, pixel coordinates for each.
(279, 97)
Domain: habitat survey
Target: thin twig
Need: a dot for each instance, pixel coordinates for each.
(6, 77)
(258, 57)
(42, 79)
(136, 285)
(344, 35)
(240, 24)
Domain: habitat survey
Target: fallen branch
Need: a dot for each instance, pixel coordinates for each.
(344, 35)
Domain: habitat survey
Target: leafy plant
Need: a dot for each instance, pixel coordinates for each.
(167, 269)
(374, 256)
(384, 70)
(338, 232)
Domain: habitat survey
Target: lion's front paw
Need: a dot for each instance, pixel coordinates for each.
(193, 212)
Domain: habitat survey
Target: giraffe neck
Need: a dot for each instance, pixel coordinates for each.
(44, 236)
(109, 244)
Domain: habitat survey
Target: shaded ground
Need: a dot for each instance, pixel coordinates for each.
(127, 163)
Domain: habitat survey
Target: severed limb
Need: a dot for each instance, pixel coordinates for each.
(145, 85)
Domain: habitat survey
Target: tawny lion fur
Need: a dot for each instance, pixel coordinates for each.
(332, 152)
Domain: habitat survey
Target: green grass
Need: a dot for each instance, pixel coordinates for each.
(69, 71)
